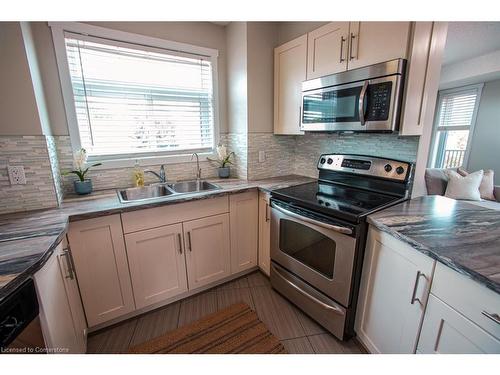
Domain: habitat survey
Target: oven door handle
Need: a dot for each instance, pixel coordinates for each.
(307, 295)
(335, 228)
(361, 103)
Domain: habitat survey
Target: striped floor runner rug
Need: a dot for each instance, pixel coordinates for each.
(236, 329)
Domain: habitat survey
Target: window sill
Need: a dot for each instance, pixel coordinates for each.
(128, 161)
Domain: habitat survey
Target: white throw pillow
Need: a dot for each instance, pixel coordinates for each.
(464, 187)
(487, 187)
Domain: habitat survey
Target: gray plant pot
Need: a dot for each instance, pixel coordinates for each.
(83, 187)
(224, 172)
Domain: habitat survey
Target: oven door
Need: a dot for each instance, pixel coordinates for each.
(318, 252)
(370, 105)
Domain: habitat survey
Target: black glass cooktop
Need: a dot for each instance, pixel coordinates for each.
(331, 198)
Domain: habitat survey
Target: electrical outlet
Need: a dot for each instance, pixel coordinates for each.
(262, 156)
(16, 175)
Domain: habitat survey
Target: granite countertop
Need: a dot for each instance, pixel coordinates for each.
(458, 234)
(27, 239)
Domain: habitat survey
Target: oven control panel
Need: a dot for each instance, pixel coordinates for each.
(366, 165)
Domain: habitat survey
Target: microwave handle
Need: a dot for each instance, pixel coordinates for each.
(361, 103)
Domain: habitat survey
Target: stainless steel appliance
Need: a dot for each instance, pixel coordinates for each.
(318, 233)
(361, 100)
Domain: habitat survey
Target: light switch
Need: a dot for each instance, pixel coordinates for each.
(16, 175)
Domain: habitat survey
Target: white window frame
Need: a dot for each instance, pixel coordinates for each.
(436, 128)
(127, 160)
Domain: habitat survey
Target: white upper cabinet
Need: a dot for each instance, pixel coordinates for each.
(393, 293)
(290, 65)
(207, 247)
(376, 42)
(157, 264)
(244, 225)
(422, 77)
(327, 49)
(98, 249)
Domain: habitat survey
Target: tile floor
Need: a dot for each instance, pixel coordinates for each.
(298, 333)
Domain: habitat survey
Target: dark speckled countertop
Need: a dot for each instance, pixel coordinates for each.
(27, 239)
(458, 234)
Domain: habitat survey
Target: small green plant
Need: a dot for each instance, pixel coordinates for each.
(80, 164)
(223, 157)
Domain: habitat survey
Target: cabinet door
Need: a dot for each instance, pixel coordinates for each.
(56, 320)
(447, 331)
(157, 264)
(393, 292)
(244, 227)
(208, 256)
(327, 49)
(264, 233)
(376, 42)
(73, 294)
(290, 61)
(422, 79)
(98, 249)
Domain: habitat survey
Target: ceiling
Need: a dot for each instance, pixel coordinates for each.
(470, 39)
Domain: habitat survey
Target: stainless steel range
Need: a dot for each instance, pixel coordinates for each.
(318, 233)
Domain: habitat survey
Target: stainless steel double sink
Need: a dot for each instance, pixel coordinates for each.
(163, 190)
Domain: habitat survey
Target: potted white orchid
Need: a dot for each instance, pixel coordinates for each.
(82, 185)
(223, 160)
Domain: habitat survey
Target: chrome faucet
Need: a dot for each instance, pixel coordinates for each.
(161, 176)
(198, 169)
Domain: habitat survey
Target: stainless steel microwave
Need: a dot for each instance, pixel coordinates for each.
(361, 100)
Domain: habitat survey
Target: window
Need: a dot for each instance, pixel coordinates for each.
(133, 100)
(454, 122)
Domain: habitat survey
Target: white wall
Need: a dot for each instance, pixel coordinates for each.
(261, 38)
(291, 30)
(485, 142)
(236, 46)
(18, 108)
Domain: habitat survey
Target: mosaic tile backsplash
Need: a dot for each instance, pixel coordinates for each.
(44, 158)
(31, 153)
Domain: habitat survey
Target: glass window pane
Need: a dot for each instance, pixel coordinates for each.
(453, 146)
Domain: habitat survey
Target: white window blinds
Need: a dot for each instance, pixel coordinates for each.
(132, 99)
(456, 109)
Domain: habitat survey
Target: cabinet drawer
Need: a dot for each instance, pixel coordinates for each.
(173, 213)
(467, 297)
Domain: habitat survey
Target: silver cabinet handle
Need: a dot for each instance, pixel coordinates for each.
(300, 117)
(189, 241)
(492, 316)
(66, 255)
(180, 242)
(361, 103)
(351, 57)
(335, 228)
(415, 288)
(342, 41)
(307, 295)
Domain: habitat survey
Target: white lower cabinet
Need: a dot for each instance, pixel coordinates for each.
(447, 331)
(264, 233)
(244, 225)
(61, 331)
(207, 245)
(157, 264)
(98, 249)
(393, 293)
